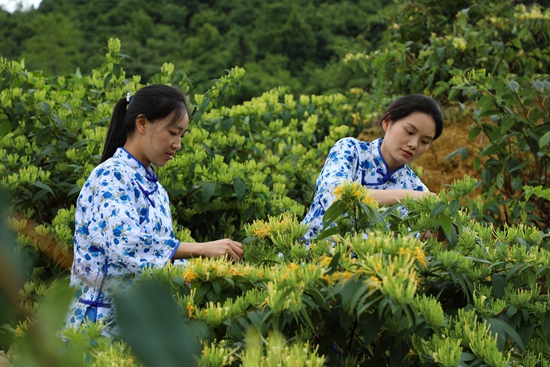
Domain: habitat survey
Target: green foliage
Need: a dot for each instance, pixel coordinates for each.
(377, 297)
(428, 39)
(369, 291)
(492, 60)
(282, 41)
(513, 116)
(230, 171)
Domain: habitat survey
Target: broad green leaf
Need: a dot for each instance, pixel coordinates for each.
(374, 326)
(240, 187)
(499, 285)
(333, 212)
(43, 186)
(208, 190)
(5, 128)
(45, 107)
(149, 309)
(446, 223)
(544, 140)
(438, 209)
(503, 325)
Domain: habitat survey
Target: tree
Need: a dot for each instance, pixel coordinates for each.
(55, 46)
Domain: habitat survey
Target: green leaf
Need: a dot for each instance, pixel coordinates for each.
(453, 207)
(447, 224)
(333, 266)
(333, 212)
(511, 311)
(5, 128)
(208, 190)
(327, 233)
(149, 309)
(546, 326)
(43, 186)
(353, 289)
(45, 107)
(217, 287)
(107, 80)
(240, 187)
(544, 140)
(438, 209)
(499, 324)
(248, 213)
(499, 284)
(513, 270)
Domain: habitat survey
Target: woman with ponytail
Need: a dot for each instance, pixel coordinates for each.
(123, 222)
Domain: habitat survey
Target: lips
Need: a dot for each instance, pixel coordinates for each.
(170, 155)
(406, 153)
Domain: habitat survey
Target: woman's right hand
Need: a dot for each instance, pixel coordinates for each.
(219, 248)
(391, 197)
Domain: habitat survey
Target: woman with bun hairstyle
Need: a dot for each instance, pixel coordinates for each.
(123, 222)
(411, 124)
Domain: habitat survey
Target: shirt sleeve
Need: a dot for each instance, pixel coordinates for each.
(341, 165)
(128, 245)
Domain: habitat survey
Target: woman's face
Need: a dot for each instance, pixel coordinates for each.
(162, 140)
(407, 139)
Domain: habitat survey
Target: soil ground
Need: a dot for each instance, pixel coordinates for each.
(4, 360)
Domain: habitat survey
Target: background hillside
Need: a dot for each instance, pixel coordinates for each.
(295, 43)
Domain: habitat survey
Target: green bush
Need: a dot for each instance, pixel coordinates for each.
(369, 293)
(492, 60)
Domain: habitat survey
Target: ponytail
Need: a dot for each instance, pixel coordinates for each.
(117, 134)
(155, 102)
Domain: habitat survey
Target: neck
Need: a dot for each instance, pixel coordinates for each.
(132, 147)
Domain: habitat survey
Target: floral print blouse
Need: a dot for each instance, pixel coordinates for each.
(123, 224)
(355, 161)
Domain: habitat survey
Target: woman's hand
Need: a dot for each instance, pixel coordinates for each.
(219, 248)
(391, 197)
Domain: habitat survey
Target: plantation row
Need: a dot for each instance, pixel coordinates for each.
(369, 293)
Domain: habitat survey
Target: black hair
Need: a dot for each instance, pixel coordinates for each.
(404, 106)
(155, 101)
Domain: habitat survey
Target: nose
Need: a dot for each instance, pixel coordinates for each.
(413, 144)
(177, 144)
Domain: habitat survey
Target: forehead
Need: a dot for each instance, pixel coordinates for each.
(422, 122)
(177, 120)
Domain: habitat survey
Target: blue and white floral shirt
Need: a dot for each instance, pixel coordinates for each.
(123, 224)
(355, 161)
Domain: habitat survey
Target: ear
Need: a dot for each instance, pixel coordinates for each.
(141, 124)
(386, 124)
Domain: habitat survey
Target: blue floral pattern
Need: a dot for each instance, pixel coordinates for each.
(123, 224)
(355, 161)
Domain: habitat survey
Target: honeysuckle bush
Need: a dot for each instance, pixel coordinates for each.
(237, 163)
(426, 282)
(512, 115)
(491, 59)
(374, 294)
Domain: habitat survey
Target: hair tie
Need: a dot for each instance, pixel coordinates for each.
(128, 97)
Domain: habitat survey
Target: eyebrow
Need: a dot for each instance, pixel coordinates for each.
(415, 129)
(179, 128)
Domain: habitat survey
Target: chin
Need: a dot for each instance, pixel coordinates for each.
(159, 164)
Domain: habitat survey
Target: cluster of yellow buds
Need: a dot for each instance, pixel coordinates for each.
(431, 310)
(478, 337)
(443, 350)
(275, 352)
(219, 354)
(351, 192)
